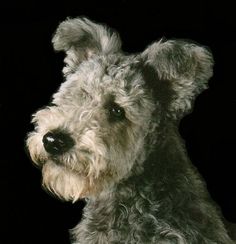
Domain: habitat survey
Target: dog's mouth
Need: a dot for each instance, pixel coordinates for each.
(56, 161)
(80, 159)
(78, 164)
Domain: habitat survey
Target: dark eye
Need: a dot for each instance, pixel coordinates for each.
(116, 113)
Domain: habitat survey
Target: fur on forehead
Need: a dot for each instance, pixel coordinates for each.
(175, 71)
(100, 78)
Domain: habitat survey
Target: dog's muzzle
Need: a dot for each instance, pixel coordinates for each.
(57, 142)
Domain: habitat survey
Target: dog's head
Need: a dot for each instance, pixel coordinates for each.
(105, 116)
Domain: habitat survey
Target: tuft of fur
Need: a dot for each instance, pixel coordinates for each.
(128, 160)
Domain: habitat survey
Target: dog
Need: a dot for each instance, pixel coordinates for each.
(111, 137)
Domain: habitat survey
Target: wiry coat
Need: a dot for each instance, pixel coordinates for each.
(128, 160)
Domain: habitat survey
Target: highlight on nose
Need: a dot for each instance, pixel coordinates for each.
(57, 142)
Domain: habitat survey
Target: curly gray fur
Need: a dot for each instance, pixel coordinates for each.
(128, 160)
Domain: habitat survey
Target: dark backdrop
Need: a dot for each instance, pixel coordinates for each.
(31, 72)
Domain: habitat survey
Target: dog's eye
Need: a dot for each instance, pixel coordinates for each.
(116, 113)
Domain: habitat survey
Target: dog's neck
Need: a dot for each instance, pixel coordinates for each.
(166, 165)
(127, 201)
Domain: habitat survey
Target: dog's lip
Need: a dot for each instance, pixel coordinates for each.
(39, 162)
(56, 161)
(52, 161)
(61, 164)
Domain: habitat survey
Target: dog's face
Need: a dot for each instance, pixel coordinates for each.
(95, 131)
(104, 118)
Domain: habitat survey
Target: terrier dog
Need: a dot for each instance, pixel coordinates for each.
(111, 137)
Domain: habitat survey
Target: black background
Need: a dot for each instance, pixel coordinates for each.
(31, 73)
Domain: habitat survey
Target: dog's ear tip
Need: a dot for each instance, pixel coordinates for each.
(185, 65)
(80, 38)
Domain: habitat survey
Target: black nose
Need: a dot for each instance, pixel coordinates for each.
(57, 142)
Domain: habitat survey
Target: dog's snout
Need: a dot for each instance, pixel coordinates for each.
(57, 142)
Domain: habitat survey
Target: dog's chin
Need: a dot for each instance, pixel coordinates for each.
(69, 184)
(63, 182)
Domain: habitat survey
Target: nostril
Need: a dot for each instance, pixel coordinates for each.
(57, 142)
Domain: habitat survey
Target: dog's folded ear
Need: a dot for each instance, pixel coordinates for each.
(81, 38)
(182, 70)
